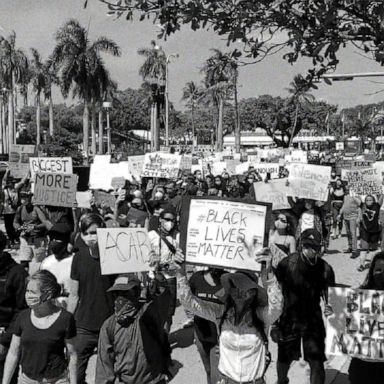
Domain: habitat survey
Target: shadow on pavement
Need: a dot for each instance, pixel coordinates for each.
(335, 377)
(182, 338)
(332, 251)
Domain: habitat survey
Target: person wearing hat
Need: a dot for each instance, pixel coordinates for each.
(242, 321)
(133, 346)
(59, 263)
(304, 278)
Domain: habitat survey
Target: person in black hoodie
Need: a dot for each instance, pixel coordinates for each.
(133, 346)
(12, 297)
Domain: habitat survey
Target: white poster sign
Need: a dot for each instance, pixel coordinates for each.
(365, 182)
(50, 165)
(123, 250)
(356, 327)
(19, 159)
(309, 181)
(164, 165)
(220, 231)
(275, 192)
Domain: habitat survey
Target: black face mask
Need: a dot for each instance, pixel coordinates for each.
(171, 194)
(137, 206)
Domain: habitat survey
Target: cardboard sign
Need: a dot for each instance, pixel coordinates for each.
(356, 328)
(277, 254)
(135, 166)
(275, 192)
(104, 199)
(340, 146)
(309, 181)
(218, 232)
(123, 250)
(297, 157)
(136, 217)
(19, 159)
(264, 168)
(84, 199)
(50, 165)
(56, 189)
(186, 162)
(117, 182)
(365, 182)
(164, 165)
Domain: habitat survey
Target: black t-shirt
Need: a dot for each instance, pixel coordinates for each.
(206, 330)
(95, 304)
(303, 285)
(371, 218)
(43, 350)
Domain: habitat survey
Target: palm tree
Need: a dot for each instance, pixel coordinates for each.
(153, 72)
(78, 61)
(218, 73)
(13, 64)
(299, 96)
(51, 78)
(192, 93)
(38, 71)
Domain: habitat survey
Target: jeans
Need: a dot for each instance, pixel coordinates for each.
(209, 354)
(85, 344)
(351, 228)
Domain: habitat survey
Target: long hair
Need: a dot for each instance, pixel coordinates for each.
(89, 219)
(369, 282)
(256, 321)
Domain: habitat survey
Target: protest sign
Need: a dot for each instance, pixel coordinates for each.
(297, 157)
(264, 168)
(197, 167)
(340, 146)
(364, 182)
(379, 165)
(242, 168)
(117, 182)
(309, 181)
(104, 198)
(218, 167)
(57, 189)
(19, 159)
(135, 166)
(123, 250)
(275, 192)
(163, 165)
(50, 165)
(253, 159)
(84, 199)
(136, 217)
(231, 166)
(277, 254)
(218, 232)
(356, 327)
(186, 163)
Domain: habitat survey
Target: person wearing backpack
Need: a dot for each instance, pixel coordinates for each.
(304, 278)
(242, 321)
(133, 346)
(164, 242)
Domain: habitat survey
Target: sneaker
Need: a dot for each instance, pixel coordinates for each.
(355, 255)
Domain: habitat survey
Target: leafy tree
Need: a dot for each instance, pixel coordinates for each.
(79, 63)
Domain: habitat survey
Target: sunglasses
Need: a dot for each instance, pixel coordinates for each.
(282, 219)
(168, 219)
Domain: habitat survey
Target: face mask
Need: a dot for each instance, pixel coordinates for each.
(57, 247)
(159, 195)
(32, 300)
(250, 181)
(168, 226)
(280, 225)
(90, 240)
(119, 303)
(136, 206)
(217, 182)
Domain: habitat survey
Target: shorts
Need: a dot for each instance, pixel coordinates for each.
(368, 240)
(313, 347)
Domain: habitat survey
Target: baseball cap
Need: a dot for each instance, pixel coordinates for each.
(125, 283)
(311, 238)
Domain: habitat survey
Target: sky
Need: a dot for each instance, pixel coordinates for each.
(35, 23)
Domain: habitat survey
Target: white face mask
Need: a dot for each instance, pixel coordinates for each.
(168, 225)
(32, 300)
(90, 240)
(158, 195)
(280, 225)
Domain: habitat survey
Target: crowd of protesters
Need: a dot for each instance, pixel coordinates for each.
(57, 309)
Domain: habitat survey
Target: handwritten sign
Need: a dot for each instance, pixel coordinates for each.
(297, 157)
(364, 182)
(277, 254)
(50, 165)
(117, 182)
(163, 165)
(19, 159)
(104, 199)
(186, 162)
(135, 166)
(309, 181)
(218, 232)
(123, 250)
(218, 167)
(275, 192)
(56, 189)
(264, 168)
(84, 199)
(356, 327)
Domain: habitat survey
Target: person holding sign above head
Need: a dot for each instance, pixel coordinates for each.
(370, 228)
(242, 321)
(304, 279)
(363, 371)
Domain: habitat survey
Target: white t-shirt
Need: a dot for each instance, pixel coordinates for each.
(60, 268)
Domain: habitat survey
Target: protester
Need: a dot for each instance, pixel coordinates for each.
(206, 285)
(304, 279)
(282, 234)
(133, 346)
(42, 337)
(242, 321)
(363, 370)
(88, 298)
(337, 193)
(370, 229)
